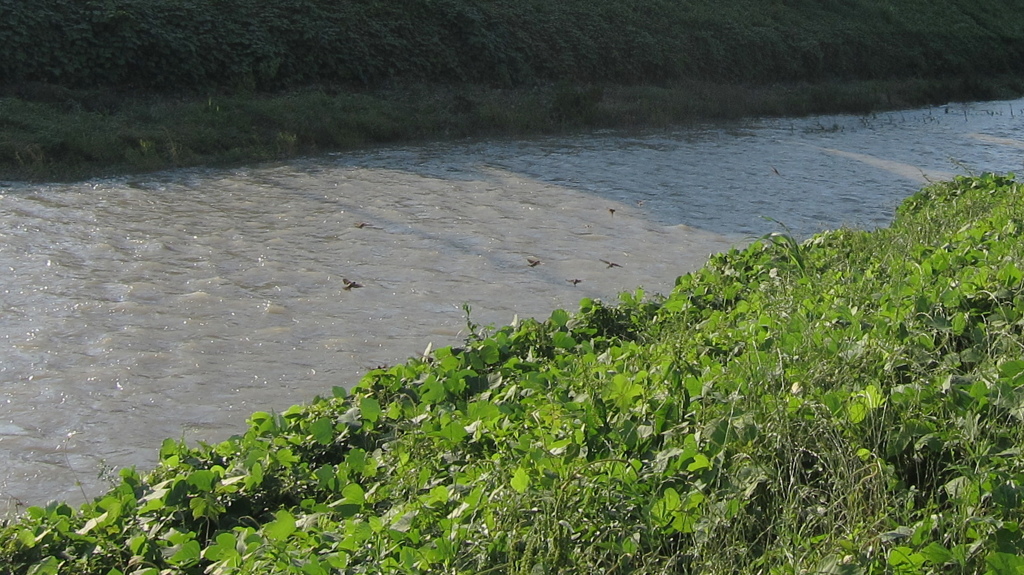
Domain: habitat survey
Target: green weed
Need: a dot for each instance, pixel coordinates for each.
(850, 404)
(73, 138)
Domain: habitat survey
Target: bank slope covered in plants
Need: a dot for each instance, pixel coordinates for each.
(95, 87)
(258, 44)
(850, 404)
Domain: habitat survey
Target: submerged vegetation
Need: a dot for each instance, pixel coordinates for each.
(850, 404)
(93, 87)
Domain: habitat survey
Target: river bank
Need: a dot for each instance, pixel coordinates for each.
(135, 86)
(59, 134)
(175, 304)
(848, 404)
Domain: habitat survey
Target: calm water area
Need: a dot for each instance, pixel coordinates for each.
(176, 304)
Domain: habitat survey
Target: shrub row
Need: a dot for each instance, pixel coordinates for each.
(258, 44)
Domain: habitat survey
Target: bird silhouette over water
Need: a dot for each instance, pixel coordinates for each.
(362, 225)
(574, 282)
(534, 262)
(611, 211)
(350, 284)
(611, 264)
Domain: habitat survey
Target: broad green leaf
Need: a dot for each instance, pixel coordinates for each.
(432, 390)
(904, 561)
(261, 421)
(520, 480)
(489, 352)
(91, 524)
(223, 548)
(700, 461)
(322, 430)
(49, 566)
(474, 498)
(186, 555)
(857, 411)
(562, 340)
(255, 477)
(936, 554)
(963, 490)
(1005, 564)
(205, 505)
(281, 527)
(483, 410)
(453, 432)
(370, 408)
(1012, 371)
(27, 538)
(873, 397)
(438, 494)
(405, 521)
(665, 507)
(623, 391)
(559, 317)
(353, 493)
(356, 460)
(202, 479)
(285, 457)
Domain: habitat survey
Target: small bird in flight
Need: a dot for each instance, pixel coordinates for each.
(611, 264)
(611, 211)
(574, 282)
(350, 284)
(534, 262)
(776, 171)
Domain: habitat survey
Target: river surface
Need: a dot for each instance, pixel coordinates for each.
(176, 304)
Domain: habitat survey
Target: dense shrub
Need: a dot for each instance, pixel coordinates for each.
(257, 44)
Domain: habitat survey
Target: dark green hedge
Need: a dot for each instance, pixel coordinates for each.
(274, 44)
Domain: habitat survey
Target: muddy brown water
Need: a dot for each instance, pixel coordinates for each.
(176, 304)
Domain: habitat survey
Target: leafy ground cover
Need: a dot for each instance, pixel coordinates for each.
(850, 404)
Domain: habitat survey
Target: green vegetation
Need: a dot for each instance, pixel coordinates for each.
(92, 87)
(260, 45)
(72, 134)
(850, 404)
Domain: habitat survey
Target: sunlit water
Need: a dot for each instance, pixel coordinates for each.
(176, 304)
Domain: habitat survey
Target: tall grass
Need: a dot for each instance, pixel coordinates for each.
(57, 133)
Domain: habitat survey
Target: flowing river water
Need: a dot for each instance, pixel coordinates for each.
(176, 304)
